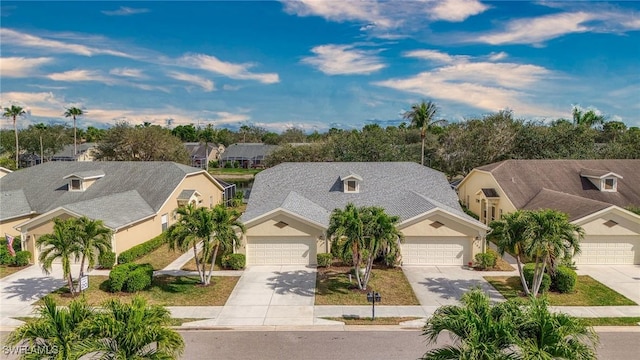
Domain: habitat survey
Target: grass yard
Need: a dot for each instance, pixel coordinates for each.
(333, 287)
(8, 270)
(173, 321)
(612, 321)
(165, 290)
(191, 265)
(588, 292)
(233, 171)
(160, 258)
(355, 320)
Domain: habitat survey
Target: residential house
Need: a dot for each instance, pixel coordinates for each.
(85, 152)
(137, 200)
(246, 155)
(594, 193)
(202, 153)
(290, 206)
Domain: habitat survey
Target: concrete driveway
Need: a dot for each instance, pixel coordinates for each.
(444, 285)
(271, 295)
(624, 279)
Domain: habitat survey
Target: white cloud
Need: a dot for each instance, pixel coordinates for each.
(42, 104)
(19, 39)
(456, 10)
(80, 75)
(128, 72)
(344, 59)
(437, 56)
(205, 84)
(125, 11)
(498, 56)
(17, 67)
(235, 71)
(366, 11)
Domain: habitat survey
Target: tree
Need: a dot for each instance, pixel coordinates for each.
(74, 112)
(186, 133)
(223, 236)
(381, 236)
(508, 234)
(62, 244)
(422, 116)
(132, 331)
(55, 330)
(549, 237)
(345, 228)
(94, 239)
(188, 232)
(587, 118)
(13, 113)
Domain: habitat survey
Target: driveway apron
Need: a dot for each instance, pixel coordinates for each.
(271, 295)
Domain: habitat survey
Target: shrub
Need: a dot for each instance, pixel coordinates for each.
(234, 261)
(324, 260)
(564, 280)
(139, 279)
(22, 258)
(528, 271)
(5, 256)
(118, 276)
(141, 250)
(107, 259)
(486, 260)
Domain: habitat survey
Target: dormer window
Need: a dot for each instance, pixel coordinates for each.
(609, 184)
(604, 180)
(351, 183)
(76, 184)
(81, 181)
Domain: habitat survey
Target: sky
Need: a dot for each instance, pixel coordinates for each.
(313, 64)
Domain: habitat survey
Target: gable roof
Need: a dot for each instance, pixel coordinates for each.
(523, 182)
(313, 190)
(127, 191)
(247, 151)
(199, 150)
(67, 150)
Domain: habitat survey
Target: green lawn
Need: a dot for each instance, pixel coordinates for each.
(612, 321)
(8, 270)
(355, 320)
(165, 290)
(333, 287)
(233, 171)
(160, 258)
(588, 292)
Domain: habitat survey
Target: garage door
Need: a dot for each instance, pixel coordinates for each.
(609, 250)
(281, 251)
(426, 251)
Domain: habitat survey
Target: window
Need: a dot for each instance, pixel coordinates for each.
(493, 213)
(351, 186)
(164, 219)
(610, 184)
(76, 184)
(501, 214)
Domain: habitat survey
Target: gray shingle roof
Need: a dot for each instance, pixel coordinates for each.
(313, 190)
(13, 203)
(186, 194)
(67, 151)
(247, 151)
(44, 188)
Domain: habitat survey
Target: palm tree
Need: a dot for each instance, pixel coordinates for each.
(543, 335)
(73, 112)
(13, 113)
(189, 231)
(588, 119)
(422, 116)
(94, 239)
(132, 331)
(380, 234)
(346, 229)
(224, 235)
(63, 244)
(508, 233)
(551, 237)
(55, 330)
(480, 331)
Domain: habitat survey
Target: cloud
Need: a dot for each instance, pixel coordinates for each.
(498, 56)
(344, 59)
(128, 72)
(205, 84)
(339, 11)
(436, 56)
(234, 71)
(20, 39)
(124, 11)
(80, 75)
(456, 10)
(18, 67)
(41, 104)
(483, 85)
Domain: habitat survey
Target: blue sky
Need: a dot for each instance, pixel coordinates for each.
(317, 64)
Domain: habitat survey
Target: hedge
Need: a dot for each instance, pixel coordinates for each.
(486, 260)
(564, 280)
(130, 277)
(141, 250)
(106, 260)
(234, 261)
(324, 260)
(22, 258)
(528, 271)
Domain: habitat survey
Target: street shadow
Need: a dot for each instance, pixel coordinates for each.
(453, 289)
(297, 282)
(32, 289)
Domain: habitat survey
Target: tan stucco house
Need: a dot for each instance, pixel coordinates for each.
(137, 200)
(594, 193)
(290, 206)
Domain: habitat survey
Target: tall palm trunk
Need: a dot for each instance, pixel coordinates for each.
(75, 142)
(213, 260)
(195, 256)
(15, 130)
(522, 279)
(423, 136)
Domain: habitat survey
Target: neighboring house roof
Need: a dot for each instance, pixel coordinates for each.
(127, 192)
(247, 151)
(67, 151)
(564, 184)
(199, 150)
(313, 190)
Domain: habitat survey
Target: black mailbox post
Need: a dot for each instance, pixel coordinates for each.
(373, 298)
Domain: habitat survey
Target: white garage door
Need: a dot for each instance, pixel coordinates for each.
(426, 251)
(281, 251)
(609, 250)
